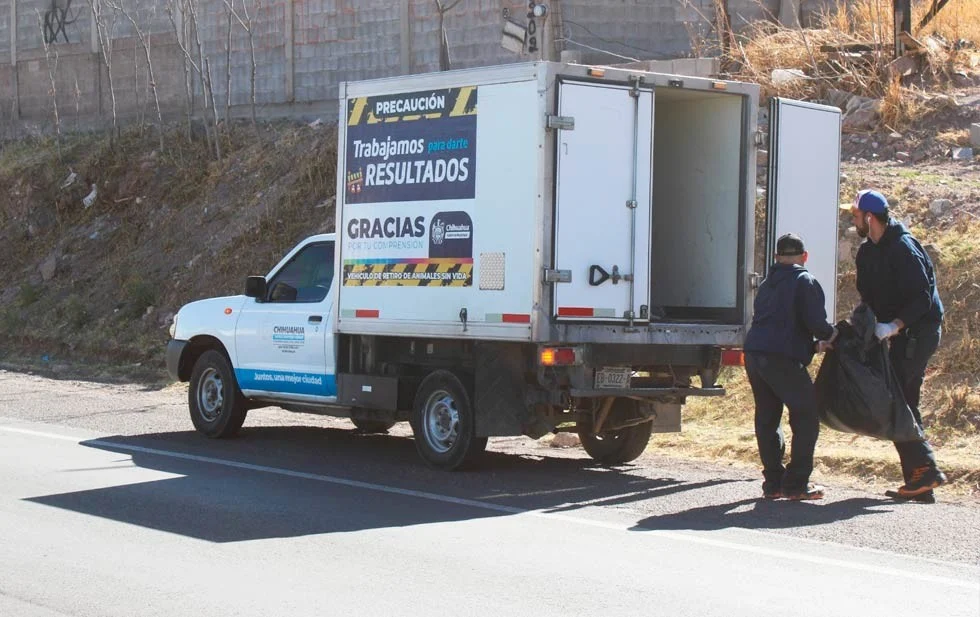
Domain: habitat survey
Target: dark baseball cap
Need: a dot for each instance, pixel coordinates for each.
(790, 245)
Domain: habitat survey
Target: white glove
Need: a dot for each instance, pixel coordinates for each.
(885, 330)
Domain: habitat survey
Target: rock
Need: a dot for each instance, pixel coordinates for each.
(848, 245)
(940, 206)
(875, 145)
(902, 66)
(838, 98)
(975, 135)
(48, 268)
(934, 252)
(862, 102)
(962, 154)
(565, 440)
(316, 124)
(860, 120)
(781, 77)
(903, 157)
(894, 136)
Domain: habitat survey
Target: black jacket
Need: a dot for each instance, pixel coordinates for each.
(788, 314)
(895, 277)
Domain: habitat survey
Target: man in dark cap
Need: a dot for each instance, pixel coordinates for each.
(896, 278)
(789, 324)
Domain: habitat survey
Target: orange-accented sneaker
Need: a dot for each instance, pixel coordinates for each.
(812, 491)
(923, 479)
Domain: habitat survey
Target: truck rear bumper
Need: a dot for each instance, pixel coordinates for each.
(645, 392)
(175, 350)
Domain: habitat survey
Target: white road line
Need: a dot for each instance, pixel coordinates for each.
(694, 539)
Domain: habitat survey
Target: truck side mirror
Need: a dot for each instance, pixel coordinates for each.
(255, 287)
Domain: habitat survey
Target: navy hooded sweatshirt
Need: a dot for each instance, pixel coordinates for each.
(895, 277)
(788, 314)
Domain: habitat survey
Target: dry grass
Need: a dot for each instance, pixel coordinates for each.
(764, 47)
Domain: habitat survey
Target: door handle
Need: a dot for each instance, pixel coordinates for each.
(316, 318)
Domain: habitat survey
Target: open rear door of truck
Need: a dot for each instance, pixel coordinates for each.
(804, 186)
(603, 202)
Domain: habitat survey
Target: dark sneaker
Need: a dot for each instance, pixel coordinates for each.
(812, 491)
(926, 497)
(923, 480)
(771, 491)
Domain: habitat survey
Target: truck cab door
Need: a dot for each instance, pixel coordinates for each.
(603, 202)
(804, 186)
(285, 340)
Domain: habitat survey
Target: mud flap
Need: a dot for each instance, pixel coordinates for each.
(500, 400)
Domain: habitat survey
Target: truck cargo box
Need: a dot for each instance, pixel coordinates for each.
(547, 202)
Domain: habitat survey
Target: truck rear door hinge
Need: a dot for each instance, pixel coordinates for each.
(755, 279)
(564, 123)
(557, 276)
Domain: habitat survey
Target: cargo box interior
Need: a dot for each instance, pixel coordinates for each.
(698, 206)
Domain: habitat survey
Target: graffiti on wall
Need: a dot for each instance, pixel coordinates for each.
(56, 18)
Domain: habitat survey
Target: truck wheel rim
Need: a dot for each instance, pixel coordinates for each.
(441, 421)
(210, 394)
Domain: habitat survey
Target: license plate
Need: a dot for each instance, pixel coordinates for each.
(612, 378)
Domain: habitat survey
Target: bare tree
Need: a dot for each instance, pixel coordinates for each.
(51, 56)
(228, 67)
(175, 9)
(445, 63)
(245, 21)
(196, 59)
(144, 41)
(105, 28)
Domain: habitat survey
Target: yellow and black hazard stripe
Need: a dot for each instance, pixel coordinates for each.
(453, 103)
(409, 275)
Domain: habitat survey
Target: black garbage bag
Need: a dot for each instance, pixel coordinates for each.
(857, 388)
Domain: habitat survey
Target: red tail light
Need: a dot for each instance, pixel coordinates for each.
(560, 356)
(732, 357)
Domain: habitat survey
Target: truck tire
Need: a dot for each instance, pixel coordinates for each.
(216, 404)
(444, 423)
(372, 426)
(617, 446)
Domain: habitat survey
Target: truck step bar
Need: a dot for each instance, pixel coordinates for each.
(647, 392)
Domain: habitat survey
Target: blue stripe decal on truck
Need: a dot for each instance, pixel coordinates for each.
(312, 384)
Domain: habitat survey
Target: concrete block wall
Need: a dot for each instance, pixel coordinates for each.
(304, 48)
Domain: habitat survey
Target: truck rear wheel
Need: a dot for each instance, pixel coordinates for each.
(217, 406)
(617, 446)
(444, 423)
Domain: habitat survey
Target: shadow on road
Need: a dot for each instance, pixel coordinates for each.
(294, 481)
(761, 514)
(277, 482)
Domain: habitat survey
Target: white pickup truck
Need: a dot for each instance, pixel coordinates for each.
(521, 249)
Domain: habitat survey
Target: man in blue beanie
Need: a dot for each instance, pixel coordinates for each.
(896, 278)
(788, 320)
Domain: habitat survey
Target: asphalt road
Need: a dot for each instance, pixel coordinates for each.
(111, 505)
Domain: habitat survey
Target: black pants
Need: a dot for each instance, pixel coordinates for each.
(910, 353)
(778, 380)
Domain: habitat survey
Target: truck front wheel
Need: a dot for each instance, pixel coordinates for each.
(613, 447)
(217, 406)
(443, 422)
